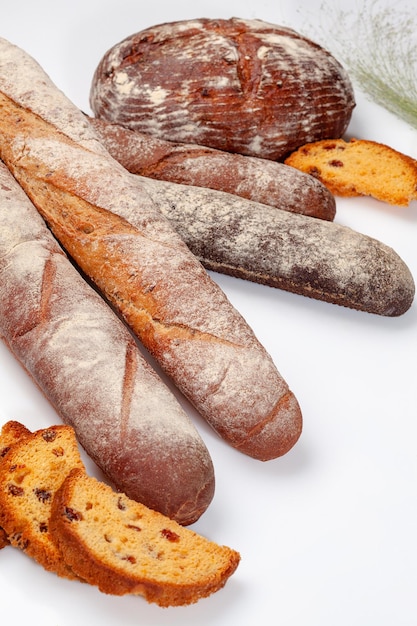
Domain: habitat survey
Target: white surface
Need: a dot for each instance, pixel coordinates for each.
(327, 533)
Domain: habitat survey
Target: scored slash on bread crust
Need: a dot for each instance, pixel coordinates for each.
(359, 167)
(30, 473)
(123, 547)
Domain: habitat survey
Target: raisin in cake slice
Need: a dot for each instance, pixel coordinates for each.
(123, 547)
(359, 167)
(30, 473)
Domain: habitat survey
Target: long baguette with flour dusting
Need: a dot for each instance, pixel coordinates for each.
(260, 180)
(307, 256)
(89, 367)
(105, 219)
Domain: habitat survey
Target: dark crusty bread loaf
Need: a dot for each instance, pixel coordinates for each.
(237, 85)
(260, 180)
(11, 432)
(315, 258)
(30, 474)
(360, 167)
(124, 548)
(90, 368)
(108, 223)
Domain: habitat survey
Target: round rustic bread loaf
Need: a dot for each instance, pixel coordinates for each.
(237, 85)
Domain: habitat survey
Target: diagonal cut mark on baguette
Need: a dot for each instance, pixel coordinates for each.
(128, 388)
(283, 402)
(45, 300)
(92, 235)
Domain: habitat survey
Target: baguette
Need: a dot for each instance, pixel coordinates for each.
(260, 180)
(310, 257)
(231, 235)
(88, 365)
(237, 85)
(110, 226)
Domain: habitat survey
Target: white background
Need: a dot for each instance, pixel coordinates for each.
(327, 533)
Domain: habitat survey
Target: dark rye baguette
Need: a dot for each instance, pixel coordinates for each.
(260, 180)
(88, 365)
(315, 258)
(237, 85)
(110, 226)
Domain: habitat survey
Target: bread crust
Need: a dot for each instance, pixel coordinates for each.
(237, 85)
(105, 219)
(89, 367)
(259, 180)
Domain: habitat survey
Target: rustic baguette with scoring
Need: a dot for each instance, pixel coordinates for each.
(109, 225)
(88, 365)
(237, 85)
(260, 180)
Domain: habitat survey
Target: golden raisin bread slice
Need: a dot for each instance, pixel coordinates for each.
(11, 432)
(123, 547)
(359, 167)
(30, 474)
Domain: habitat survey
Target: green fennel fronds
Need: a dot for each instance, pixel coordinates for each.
(378, 46)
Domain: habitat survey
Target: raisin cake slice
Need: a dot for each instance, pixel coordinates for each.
(359, 167)
(30, 473)
(123, 547)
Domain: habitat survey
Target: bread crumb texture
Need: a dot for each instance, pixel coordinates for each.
(359, 167)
